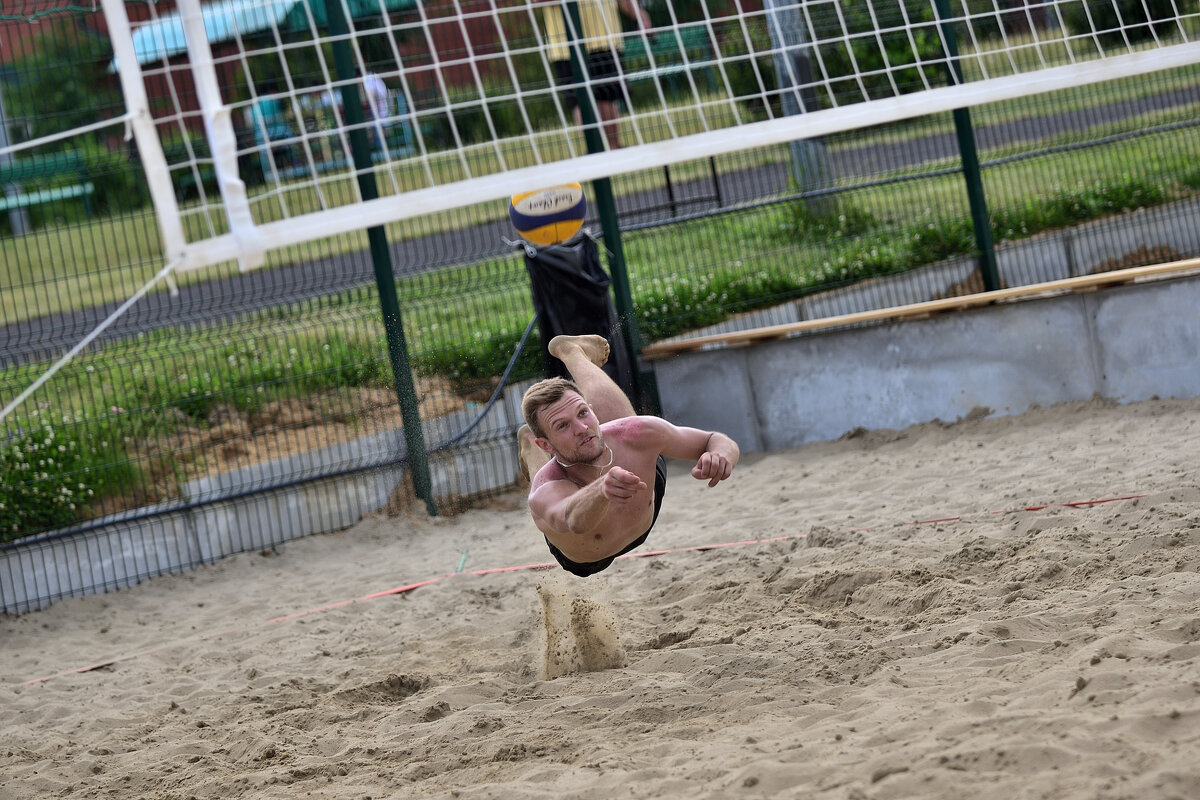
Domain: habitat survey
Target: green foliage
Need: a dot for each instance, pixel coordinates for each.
(1074, 206)
(1191, 178)
(925, 243)
(851, 246)
(849, 220)
(64, 83)
(485, 356)
(247, 371)
(743, 71)
(120, 184)
(178, 150)
(851, 52)
(474, 115)
(666, 307)
(50, 471)
(1114, 21)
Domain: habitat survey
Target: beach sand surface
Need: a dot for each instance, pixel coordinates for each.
(999, 607)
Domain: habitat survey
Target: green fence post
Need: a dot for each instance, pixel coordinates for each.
(414, 437)
(607, 208)
(970, 159)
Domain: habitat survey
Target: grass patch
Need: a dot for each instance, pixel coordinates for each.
(51, 470)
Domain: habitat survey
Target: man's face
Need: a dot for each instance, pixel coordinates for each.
(572, 430)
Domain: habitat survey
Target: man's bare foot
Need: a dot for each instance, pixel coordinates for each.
(527, 453)
(595, 348)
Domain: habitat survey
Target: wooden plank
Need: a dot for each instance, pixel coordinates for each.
(1078, 284)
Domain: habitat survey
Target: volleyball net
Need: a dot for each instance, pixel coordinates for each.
(458, 102)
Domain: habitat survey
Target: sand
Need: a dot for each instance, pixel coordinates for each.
(896, 621)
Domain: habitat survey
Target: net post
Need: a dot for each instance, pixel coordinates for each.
(607, 208)
(965, 133)
(141, 124)
(222, 141)
(381, 260)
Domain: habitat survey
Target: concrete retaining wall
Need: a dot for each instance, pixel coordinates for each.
(1126, 343)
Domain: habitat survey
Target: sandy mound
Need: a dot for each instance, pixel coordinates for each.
(939, 612)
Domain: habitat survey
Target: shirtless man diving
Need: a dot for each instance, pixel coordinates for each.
(598, 471)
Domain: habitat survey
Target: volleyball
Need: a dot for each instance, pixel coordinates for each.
(548, 216)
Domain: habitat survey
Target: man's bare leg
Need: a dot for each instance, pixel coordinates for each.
(584, 356)
(610, 122)
(532, 458)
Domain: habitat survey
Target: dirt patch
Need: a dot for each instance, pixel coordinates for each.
(1142, 257)
(230, 439)
(972, 284)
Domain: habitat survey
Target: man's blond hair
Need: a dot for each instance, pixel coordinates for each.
(542, 394)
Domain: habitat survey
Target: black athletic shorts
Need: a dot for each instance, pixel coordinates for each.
(591, 568)
(607, 86)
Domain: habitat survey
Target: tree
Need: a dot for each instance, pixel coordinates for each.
(64, 84)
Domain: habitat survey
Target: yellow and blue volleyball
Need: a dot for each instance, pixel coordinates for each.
(548, 216)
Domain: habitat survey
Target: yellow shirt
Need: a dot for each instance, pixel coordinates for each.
(601, 27)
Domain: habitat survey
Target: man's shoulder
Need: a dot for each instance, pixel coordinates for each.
(551, 471)
(634, 423)
(637, 429)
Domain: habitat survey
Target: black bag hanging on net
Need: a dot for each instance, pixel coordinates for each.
(571, 297)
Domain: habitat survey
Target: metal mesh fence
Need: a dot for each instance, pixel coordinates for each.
(267, 399)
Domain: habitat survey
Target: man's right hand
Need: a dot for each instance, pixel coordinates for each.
(620, 485)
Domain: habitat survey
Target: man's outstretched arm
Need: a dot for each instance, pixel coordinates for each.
(565, 508)
(715, 453)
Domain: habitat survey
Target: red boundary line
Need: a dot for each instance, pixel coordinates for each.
(544, 565)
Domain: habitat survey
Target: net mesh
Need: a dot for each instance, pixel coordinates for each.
(462, 101)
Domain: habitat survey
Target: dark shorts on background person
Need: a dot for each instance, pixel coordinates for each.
(607, 86)
(592, 567)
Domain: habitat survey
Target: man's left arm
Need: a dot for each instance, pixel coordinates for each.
(715, 453)
(717, 461)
